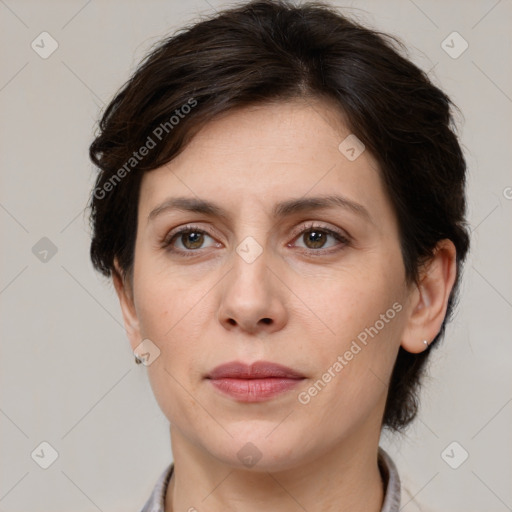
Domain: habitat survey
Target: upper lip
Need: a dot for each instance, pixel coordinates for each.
(256, 370)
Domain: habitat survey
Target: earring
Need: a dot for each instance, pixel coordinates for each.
(426, 343)
(137, 360)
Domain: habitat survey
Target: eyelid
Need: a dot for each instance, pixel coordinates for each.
(184, 229)
(318, 225)
(341, 235)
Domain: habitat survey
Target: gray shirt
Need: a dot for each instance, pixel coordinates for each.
(388, 471)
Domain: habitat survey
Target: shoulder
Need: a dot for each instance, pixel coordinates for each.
(156, 501)
(391, 481)
(398, 493)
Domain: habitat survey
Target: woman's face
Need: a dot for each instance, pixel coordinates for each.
(319, 290)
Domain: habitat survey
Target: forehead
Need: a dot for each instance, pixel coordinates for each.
(261, 155)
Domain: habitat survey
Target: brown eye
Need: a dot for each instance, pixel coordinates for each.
(318, 240)
(188, 241)
(315, 238)
(192, 239)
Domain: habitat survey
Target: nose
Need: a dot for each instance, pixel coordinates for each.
(253, 297)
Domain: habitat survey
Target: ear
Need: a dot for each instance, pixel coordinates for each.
(430, 298)
(124, 290)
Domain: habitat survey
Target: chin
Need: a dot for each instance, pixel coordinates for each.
(254, 449)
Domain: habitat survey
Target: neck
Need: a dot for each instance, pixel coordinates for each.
(346, 479)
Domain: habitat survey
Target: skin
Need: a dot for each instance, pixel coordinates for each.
(209, 309)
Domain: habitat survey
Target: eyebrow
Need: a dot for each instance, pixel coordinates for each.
(280, 210)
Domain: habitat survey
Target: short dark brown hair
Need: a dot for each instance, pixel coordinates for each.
(267, 51)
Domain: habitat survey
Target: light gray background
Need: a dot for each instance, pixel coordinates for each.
(67, 371)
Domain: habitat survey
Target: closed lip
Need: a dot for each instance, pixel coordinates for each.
(256, 370)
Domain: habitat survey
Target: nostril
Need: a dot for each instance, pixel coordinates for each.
(266, 320)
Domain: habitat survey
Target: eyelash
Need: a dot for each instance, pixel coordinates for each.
(170, 238)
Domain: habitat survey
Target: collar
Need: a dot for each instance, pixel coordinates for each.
(388, 471)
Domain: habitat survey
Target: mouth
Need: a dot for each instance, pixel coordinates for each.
(257, 382)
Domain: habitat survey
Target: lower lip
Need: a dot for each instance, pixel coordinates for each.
(254, 390)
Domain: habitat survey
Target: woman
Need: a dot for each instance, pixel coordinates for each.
(280, 205)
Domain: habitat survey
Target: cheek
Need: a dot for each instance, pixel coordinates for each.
(169, 315)
(172, 312)
(342, 303)
(163, 302)
(357, 322)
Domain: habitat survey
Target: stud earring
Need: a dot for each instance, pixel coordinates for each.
(426, 343)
